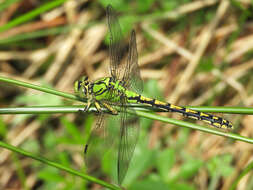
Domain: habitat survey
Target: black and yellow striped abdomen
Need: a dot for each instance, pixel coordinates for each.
(215, 121)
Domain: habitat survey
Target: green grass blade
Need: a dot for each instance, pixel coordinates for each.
(148, 115)
(180, 123)
(57, 165)
(218, 109)
(36, 34)
(32, 14)
(41, 109)
(40, 88)
(6, 4)
(45, 32)
(245, 171)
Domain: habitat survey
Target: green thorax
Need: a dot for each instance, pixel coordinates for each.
(110, 89)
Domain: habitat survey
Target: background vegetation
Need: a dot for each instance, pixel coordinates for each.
(190, 53)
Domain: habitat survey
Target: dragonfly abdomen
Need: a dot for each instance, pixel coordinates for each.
(215, 121)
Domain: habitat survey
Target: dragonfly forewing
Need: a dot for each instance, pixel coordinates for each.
(116, 46)
(132, 72)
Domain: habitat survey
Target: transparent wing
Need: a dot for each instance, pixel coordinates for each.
(117, 49)
(93, 141)
(128, 72)
(129, 133)
(116, 46)
(132, 72)
(101, 140)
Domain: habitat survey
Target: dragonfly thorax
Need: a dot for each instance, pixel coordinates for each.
(107, 88)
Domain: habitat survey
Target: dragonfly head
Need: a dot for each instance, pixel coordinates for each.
(82, 87)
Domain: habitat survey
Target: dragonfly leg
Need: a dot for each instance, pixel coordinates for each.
(110, 108)
(85, 109)
(98, 107)
(87, 106)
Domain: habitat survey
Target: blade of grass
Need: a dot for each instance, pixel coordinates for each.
(36, 34)
(32, 14)
(40, 88)
(137, 111)
(6, 4)
(57, 165)
(245, 171)
(219, 109)
(50, 109)
(45, 32)
(20, 172)
(194, 126)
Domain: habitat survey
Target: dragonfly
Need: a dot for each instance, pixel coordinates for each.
(124, 87)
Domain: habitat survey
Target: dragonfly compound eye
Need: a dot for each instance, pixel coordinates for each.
(81, 88)
(78, 85)
(84, 91)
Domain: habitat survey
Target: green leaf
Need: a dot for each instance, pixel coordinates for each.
(151, 89)
(220, 165)
(164, 162)
(169, 5)
(49, 140)
(43, 118)
(144, 5)
(126, 23)
(183, 138)
(31, 145)
(145, 124)
(72, 129)
(49, 185)
(181, 186)
(38, 99)
(149, 184)
(206, 64)
(50, 174)
(190, 168)
(109, 164)
(142, 159)
(64, 159)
